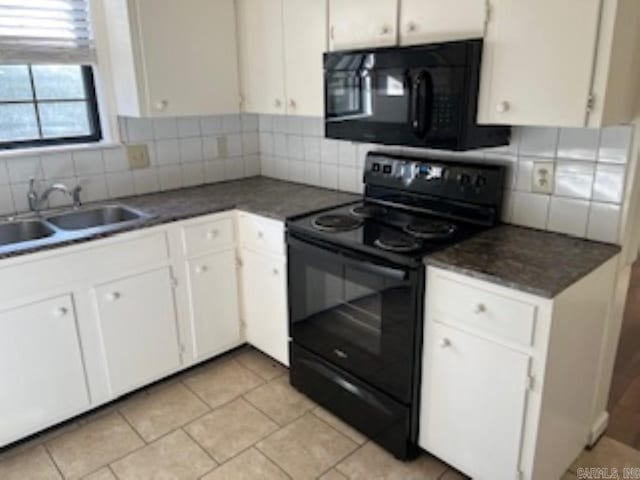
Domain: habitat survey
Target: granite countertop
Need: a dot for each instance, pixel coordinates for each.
(532, 261)
(260, 195)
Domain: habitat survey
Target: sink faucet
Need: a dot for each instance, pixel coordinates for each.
(37, 201)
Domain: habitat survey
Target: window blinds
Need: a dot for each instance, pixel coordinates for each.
(45, 32)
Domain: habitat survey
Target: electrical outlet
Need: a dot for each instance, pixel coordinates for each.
(542, 177)
(138, 156)
(223, 150)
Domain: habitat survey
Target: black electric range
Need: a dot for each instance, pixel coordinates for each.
(356, 287)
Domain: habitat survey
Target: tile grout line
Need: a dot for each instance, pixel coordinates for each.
(53, 460)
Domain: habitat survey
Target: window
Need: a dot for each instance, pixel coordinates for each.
(47, 92)
(47, 104)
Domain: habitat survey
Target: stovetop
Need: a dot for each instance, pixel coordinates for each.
(394, 233)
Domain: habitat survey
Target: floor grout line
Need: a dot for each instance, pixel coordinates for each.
(53, 460)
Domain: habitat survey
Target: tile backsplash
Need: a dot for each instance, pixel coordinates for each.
(590, 166)
(183, 152)
(590, 170)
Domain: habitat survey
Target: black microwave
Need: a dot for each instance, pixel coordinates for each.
(420, 96)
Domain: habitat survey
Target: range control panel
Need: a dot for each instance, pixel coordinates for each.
(470, 182)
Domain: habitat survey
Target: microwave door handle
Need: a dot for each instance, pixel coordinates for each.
(414, 103)
(427, 107)
(422, 101)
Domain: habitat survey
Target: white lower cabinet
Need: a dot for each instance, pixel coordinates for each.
(42, 377)
(265, 303)
(474, 412)
(137, 317)
(214, 303)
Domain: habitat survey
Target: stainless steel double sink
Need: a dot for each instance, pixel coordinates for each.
(34, 231)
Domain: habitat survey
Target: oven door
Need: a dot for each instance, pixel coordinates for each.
(357, 313)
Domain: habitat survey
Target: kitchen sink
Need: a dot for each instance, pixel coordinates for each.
(104, 216)
(24, 231)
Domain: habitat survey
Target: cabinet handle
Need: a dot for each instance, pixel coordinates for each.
(276, 271)
(480, 308)
(385, 30)
(332, 32)
(411, 27)
(445, 342)
(211, 234)
(60, 312)
(162, 105)
(113, 296)
(201, 269)
(260, 235)
(503, 107)
(292, 104)
(278, 103)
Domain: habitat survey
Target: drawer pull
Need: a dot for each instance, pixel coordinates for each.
(445, 342)
(276, 271)
(201, 269)
(60, 312)
(480, 308)
(212, 234)
(113, 296)
(260, 235)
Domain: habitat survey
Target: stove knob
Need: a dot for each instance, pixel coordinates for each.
(464, 180)
(376, 167)
(480, 181)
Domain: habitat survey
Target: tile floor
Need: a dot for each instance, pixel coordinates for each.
(235, 417)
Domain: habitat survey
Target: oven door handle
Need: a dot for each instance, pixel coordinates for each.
(359, 262)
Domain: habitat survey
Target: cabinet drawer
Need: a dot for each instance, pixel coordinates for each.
(468, 306)
(208, 236)
(262, 234)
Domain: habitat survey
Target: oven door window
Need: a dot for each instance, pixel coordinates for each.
(358, 316)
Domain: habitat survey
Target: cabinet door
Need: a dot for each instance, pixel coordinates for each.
(213, 289)
(362, 23)
(473, 403)
(42, 378)
(265, 299)
(305, 40)
(189, 57)
(427, 21)
(261, 55)
(538, 62)
(139, 329)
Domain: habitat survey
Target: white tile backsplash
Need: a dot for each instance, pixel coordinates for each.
(590, 165)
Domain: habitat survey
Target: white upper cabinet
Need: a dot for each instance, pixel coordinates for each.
(362, 23)
(42, 377)
(261, 55)
(305, 40)
(173, 58)
(542, 64)
(428, 21)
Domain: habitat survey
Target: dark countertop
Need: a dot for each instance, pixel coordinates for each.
(260, 195)
(532, 261)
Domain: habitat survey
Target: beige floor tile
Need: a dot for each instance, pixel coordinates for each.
(371, 462)
(34, 464)
(249, 465)
(260, 363)
(174, 456)
(333, 474)
(307, 447)
(339, 425)
(102, 474)
(280, 401)
(230, 429)
(93, 445)
(608, 453)
(569, 476)
(162, 410)
(221, 382)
